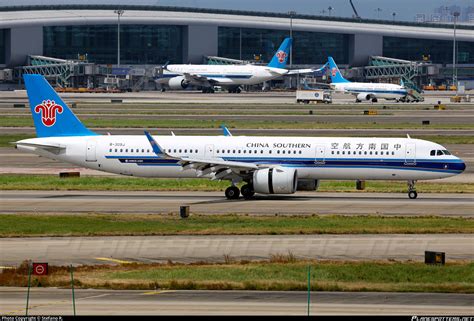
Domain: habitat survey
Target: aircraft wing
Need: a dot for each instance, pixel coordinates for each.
(218, 168)
(305, 71)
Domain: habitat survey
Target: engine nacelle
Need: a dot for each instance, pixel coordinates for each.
(307, 185)
(362, 96)
(178, 83)
(275, 180)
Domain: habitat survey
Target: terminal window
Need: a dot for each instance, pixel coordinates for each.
(139, 44)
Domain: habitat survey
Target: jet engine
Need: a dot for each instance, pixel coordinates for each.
(362, 96)
(275, 180)
(178, 83)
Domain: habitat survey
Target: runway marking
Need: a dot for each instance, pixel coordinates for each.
(114, 260)
(157, 292)
(38, 306)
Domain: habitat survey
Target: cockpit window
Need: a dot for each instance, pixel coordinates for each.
(446, 152)
(439, 152)
(433, 153)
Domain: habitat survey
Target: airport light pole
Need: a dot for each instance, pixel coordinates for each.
(291, 13)
(456, 15)
(119, 14)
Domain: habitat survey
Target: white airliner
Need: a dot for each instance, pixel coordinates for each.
(267, 165)
(228, 76)
(362, 90)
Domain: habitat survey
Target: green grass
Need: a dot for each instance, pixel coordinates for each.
(280, 274)
(311, 123)
(50, 182)
(5, 140)
(21, 225)
(364, 276)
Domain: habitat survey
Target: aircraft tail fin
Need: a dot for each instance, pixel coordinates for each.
(280, 58)
(51, 116)
(335, 74)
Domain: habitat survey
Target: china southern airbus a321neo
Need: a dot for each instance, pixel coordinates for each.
(267, 165)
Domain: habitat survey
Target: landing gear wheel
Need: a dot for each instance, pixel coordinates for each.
(247, 191)
(358, 101)
(232, 193)
(374, 100)
(412, 195)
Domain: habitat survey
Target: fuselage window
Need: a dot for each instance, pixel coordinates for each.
(294, 152)
(126, 151)
(110, 150)
(360, 152)
(261, 151)
(174, 151)
(375, 153)
(370, 152)
(196, 151)
(393, 153)
(121, 150)
(338, 152)
(255, 151)
(332, 152)
(343, 152)
(269, 151)
(238, 151)
(365, 152)
(143, 150)
(278, 152)
(282, 151)
(228, 151)
(300, 152)
(245, 151)
(180, 150)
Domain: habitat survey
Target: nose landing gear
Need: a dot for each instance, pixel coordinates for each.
(412, 194)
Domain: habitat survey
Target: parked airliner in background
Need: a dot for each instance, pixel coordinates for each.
(267, 165)
(228, 76)
(362, 90)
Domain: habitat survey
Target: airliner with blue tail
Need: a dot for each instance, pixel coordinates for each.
(264, 165)
(364, 91)
(228, 76)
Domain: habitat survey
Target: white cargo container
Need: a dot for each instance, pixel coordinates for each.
(317, 96)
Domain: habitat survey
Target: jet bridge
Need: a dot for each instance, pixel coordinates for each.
(60, 70)
(409, 72)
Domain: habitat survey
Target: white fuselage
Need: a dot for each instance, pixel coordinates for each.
(371, 90)
(226, 75)
(315, 158)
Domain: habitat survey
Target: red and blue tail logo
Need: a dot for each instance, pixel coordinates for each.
(281, 56)
(46, 106)
(48, 110)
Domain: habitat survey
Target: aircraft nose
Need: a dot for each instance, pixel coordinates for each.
(463, 166)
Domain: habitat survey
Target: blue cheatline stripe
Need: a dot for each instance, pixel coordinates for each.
(375, 91)
(452, 166)
(236, 76)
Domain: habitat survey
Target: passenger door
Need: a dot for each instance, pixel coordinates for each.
(209, 151)
(319, 155)
(410, 154)
(91, 151)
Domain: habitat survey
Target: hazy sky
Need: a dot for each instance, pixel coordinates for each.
(404, 9)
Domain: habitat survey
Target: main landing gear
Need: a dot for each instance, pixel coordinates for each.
(412, 194)
(207, 90)
(233, 192)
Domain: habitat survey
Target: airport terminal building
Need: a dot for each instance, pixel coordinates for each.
(154, 35)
